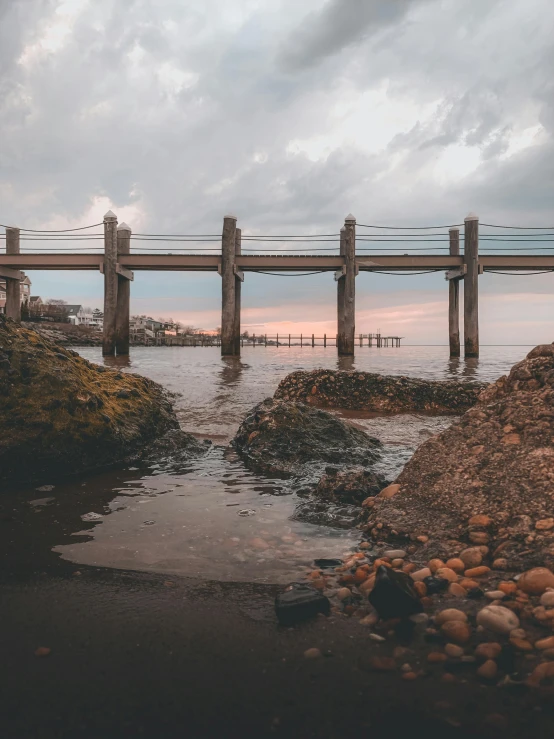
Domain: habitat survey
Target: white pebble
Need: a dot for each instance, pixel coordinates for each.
(419, 618)
(377, 637)
(498, 619)
(395, 553)
(547, 599)
(494, 594)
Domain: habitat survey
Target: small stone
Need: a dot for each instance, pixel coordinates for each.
(377, 637)
(370, 620)
(169, 584)
(508, 588)
(500, 564)
(494, 594)
(469, 584)
(453, 650)
(42, 652)
(436, 657)
(456, 564)
(420, 588)
(313, 653)
(422, 538)
(344, 593)
(518, 634)
(419, 618)
(406, 667)
(480, 520)
(547, 599)
(547, 643)
(498, 619)
(389, 491)
(488, 650)
(488, 670)
(479, 537)
(382, 664)
(435, 564)
(522, 645)
(457, 590)
(365, 545)
(471, 557)
(456, 631)
(450, 614)
(445, 573)
(421, 574)
(409, 676)
(477, 571)
(258, 543)
(540, 673)
(395, 554)
(448, 677)
(536, 581)
(545, 524)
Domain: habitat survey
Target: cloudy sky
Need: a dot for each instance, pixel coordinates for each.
(290, 115)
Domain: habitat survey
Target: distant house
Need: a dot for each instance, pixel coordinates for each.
(24, 292)
(138, 323)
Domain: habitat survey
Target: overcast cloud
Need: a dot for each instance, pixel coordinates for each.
(289, 115)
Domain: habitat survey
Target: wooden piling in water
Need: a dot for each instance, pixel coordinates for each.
(346, 338)
(110, 283)
(13, 285)
(123, 304)
(471, 286)
(454, 298)
(238, 291)
(228, 286)
(340, 296)
(324, 341)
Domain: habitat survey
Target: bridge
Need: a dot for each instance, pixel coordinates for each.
(118, 263)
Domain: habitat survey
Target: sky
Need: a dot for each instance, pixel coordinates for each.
(290, 116)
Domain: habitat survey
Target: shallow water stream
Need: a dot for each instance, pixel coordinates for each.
(215, 519)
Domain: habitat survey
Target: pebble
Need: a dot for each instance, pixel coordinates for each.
(477, 571)
(457, 590)
(541, 672)
(258, 543)
(313, 653)
(456, 564)
(518, 634)
(436, 657)
(494, 594)
(507, 587)
(42, 652)
(488, 670)
(377, 637)
(456, 631)
(370, 620)
(409, 676)
(445, 573)
(344, 593)
(406, 667)
(547, 643)
(468, 584)
(498, 619)
(382, 664)
(435, 564)
(480, 520)
(419, 618)
(395, 554)
(453, 650)
(421, 574)
(479, 537)
(488, 650)
(523, 645)
(536, 581)
(420, 588)
(545, 524)
(450, 614)
(448, 677)
(390, 491)
(500, 564)
(547, 599)
(471, 557)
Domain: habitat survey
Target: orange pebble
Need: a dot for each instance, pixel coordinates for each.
(435, 564)
(410, 567)
(477, 571)
(507, 587)
(456, 564)
(468, 584)
(420, 588)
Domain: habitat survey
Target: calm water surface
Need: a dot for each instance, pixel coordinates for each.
(215, 519)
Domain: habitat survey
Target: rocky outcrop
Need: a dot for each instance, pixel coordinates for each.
(278, 437)
(63, 415)
(380, 393)
(486, 481)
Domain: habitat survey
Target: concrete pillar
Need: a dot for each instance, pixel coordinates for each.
(13, 286)
(340, 296)
(471, 287)
(454, 299)
(123, 294)
(228, 239)
(110, 283)
(238, 284)
(346, 337)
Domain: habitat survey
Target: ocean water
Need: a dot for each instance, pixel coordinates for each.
(215, 519)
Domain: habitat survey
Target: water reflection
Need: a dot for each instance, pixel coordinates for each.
(231, 370)
(454, 364)
(346, 363)
(117, 362)
(471, 368)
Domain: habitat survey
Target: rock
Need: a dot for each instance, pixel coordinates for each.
(421, 574)
(508, 588)
(435, 564)
(43, 652)
(500, 564)
(409, 676)
(453, 650)
(456, 631)
(547, 643)
(382, 664)
(540, 673)
(480, 520)
(370, 620)
(58, 409)
(435, 584)
(545, 524)
(436, 657)
(373, 392)
(352, 485)
(393, 595)
(445, 573)
(488, 650)
(471, 557)
(395, 554)
(488, 670)
(494, 594)
(450, 614)
(313, 653)
(498, 619)
(325, 564)
(292, 434)
(456, 564)
(547, 599)
(536, 581)
(457, 590)
(377, 637)
(344, 593)
(522, 645)
(390, 491)
(300, 602)
(477, 571)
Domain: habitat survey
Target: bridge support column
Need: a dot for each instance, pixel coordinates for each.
(238, 290)
(340, 294)
(454, 299)
(228, 239)
(346, 335)
(13, 286)
(110, 283)
(471, 287)
(123, 302)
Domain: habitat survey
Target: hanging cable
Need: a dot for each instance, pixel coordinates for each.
(279, 274)
(56, 231)
(407, 274)
(409, 228)
(520, 274)
(520, 228)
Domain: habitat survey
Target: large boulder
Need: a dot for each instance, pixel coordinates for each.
(488, 480)
(279, 437)
(380, 393)
(63, 415)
